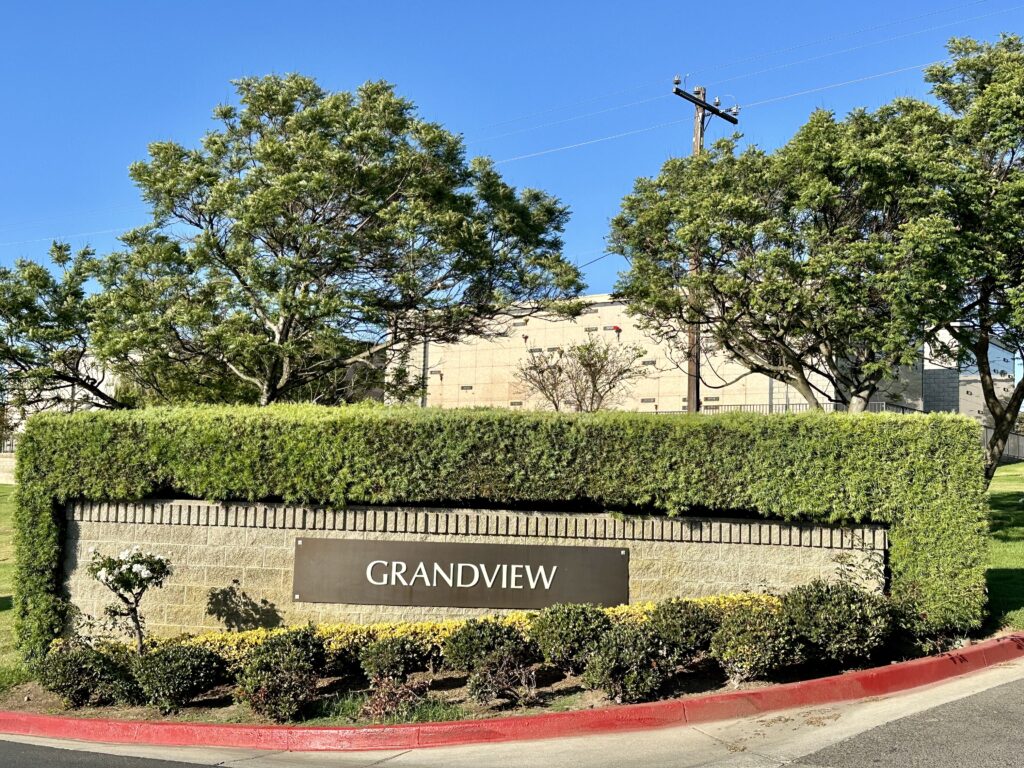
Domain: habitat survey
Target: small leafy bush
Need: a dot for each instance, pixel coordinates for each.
(83, 675)
(684, 628)
(129, 576)
(838, 622)
(279, 677)
(503, 674)
(567, 634)
(392, 658)
(468, 645)
(173, 675)
(392, 700)
(627, 664)
(754, 640)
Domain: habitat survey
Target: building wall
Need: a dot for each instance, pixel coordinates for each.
(953, 387)
(482, 371)
(211, 545)
(942, 389)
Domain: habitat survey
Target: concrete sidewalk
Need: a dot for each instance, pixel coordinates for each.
(973, 720)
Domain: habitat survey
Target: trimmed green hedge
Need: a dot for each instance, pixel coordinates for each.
(921, 475)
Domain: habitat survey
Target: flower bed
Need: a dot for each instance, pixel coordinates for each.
(564, 657)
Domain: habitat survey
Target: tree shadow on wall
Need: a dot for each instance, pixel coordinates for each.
(239, 612)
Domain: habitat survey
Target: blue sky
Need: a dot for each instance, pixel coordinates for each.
(86, 86)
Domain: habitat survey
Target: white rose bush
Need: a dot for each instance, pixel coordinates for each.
(129, 576)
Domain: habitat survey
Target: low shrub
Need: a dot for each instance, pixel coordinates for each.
(389, 703)
(279, 678)
(684, 628)
(172, 675)
(468, 645)
(567, 634)
(503, 674)
(81, 674)
(627, 663)
(838, 622)
(394, 701)
(392, 658)
(754, 640)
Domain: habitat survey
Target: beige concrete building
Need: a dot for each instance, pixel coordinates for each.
(482, 371)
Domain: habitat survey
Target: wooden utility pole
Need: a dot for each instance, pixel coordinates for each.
(701, 114)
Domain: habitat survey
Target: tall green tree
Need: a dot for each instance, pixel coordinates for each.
(819, 265)
(313, 231)
(982, 87)
(45, 317)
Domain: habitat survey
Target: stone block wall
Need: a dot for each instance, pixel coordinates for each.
(212, 545)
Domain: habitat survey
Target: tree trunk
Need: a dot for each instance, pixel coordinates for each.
(994, 450)
(1003, 414)
(802, 386)
(858, 403)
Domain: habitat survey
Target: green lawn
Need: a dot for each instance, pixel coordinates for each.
(1006, 562)
(11, 670)
(7, 653)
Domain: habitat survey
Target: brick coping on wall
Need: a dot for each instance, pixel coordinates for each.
(470, 522)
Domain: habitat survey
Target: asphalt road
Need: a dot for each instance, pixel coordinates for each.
(15, 755)
(972, 722)
(985, 730)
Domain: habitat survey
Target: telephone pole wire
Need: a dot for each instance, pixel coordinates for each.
(702, 113)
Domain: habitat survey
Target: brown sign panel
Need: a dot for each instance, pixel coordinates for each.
(458, 575)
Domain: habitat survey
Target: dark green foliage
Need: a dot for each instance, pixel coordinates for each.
(279, 678)
(684, 629)
(476, 639)
(567, 634)
(85, 675)
(921, 475)
(503, 674)
(172, 675)
(755, 639)
(392, 658)
(627, 664)
(838, 622)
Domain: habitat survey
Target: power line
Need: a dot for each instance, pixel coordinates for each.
(572, 119)
(840, 85)
(48, 219)
(865, 45)
(65, 237)
(592, 141)
(748, 106)
(754, 57)
(594, 261)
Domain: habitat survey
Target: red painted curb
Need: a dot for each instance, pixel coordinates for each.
(719, 706)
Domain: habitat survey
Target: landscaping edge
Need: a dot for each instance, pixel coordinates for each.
(866, 683)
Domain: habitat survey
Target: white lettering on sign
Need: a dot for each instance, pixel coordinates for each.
(382, 573)
(369, 573)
